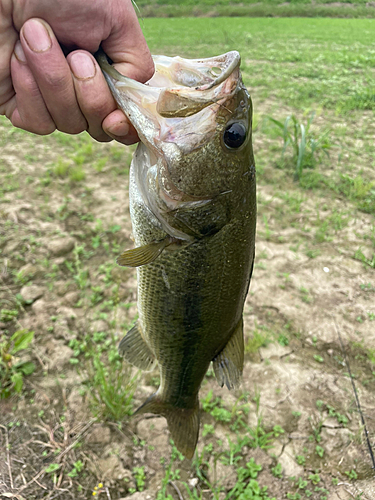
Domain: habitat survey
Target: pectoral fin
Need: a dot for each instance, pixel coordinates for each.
(145, 254)
(135, 350)
(183, 423)
(228, 364)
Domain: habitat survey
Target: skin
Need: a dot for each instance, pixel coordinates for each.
(48, 77)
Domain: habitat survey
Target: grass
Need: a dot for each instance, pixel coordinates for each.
(305, 148)
(76, 187)
(289, 61)
(252, 8)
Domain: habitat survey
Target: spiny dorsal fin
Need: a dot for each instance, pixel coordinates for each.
(183, 423)
(135, 350)
(228, 364)
(145, 254)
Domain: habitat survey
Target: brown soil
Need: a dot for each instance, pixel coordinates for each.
(298, 306)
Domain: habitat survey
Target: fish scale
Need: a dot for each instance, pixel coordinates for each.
(193, 210)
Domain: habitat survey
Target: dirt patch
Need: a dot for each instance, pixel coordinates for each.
(59, 239)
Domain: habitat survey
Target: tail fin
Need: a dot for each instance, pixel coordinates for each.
(183, 423)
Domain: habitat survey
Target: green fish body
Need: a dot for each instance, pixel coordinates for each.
(193, 211)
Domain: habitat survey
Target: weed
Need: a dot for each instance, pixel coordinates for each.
(207, 430)
(260, 338)
(301, 483)
(314, 478)
(300, 459)
(319, 451)
(305, 295)
(250, 490)
(170, 475)
(304, 145)
(52, 468)
(318, 358)
(359, 255)
(283, 340)
(77, 468)
(221, 414)
(7, 315)
(277, 471)
(80, 275)
(110, 383)
(12, 369)
(61, 169)
(278, 431)
(351, 474)
(140, 477)
(357, 189)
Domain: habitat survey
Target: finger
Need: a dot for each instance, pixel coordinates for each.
(8, 37)
(93, 95)
(96, 101)
(30, 111)
(52, 75)
(118, 126)
(126, 45)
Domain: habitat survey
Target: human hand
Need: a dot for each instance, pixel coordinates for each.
(41, 89)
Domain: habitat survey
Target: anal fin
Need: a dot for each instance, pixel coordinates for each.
(183, 423)
(135, 350)
(228, 364)
(145, 254)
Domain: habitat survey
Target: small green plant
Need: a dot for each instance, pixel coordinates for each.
(277, 471)
(319, 451)
(12, 370)
(314, 478)
(221, 414)
(293, 496)
(305, 146)
(110, 383)
(300, 459)
(52, 468)
(77, 468)
(170, 475)
(318, 358)
(278, 430)
(351, 474)
(140, 477)
(259, 339)
(301, 483)
(250, 490)
(61, 169)
(207, 429)
(359, 255)
(7, 315)
(80, 275)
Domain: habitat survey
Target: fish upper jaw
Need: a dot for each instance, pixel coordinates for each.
(180, 102)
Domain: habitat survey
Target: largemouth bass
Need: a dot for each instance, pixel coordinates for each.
(193, 211)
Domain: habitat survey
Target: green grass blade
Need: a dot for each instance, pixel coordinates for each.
(301, 152)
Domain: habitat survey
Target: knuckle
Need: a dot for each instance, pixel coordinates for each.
(55, 81)
(147, 70)
(100, 137)
(45, 129)
(41, 128)
(72, 128)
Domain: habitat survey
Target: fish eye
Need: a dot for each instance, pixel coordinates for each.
(234, 135)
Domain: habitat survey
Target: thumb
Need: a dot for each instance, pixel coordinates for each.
(126, 45)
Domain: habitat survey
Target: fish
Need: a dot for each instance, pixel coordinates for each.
(192, 199)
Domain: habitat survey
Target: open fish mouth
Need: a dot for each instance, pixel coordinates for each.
(180, 89)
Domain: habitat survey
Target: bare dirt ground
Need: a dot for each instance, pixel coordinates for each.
(63, 220)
